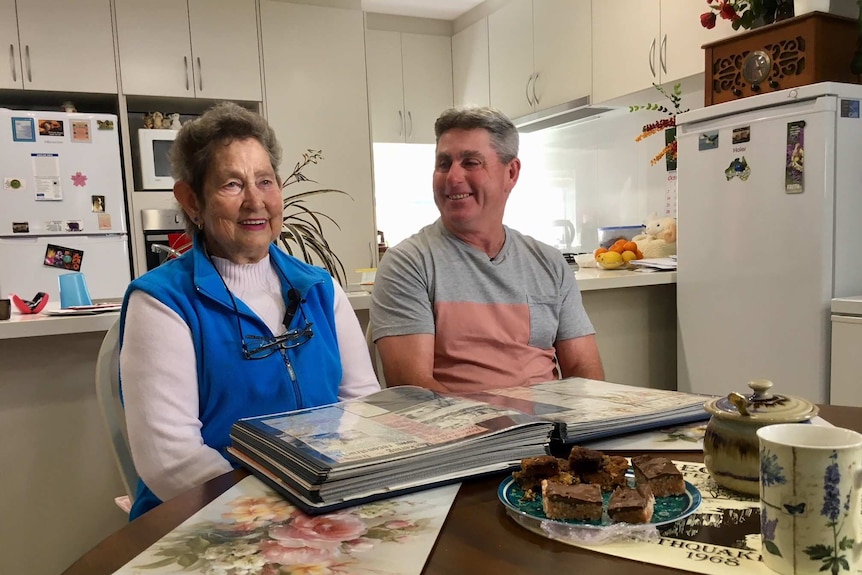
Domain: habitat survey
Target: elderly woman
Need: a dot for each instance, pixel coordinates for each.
(235, 327)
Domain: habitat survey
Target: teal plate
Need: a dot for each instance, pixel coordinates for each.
(666, 509)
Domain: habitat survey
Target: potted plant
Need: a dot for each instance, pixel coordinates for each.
(302, 230)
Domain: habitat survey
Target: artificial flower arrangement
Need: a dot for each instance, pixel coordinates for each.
(746, 13)
(668, 123)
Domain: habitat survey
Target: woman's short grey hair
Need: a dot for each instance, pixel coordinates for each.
(194, 148)
(504, 135)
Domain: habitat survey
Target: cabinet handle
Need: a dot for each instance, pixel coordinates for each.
(409, 124)
(400, 124)
(186, 64)
(527, 91)
(652, 57)
(662, 55)
(27, 57)
(12, 62)
(535, 97)
(200, 76)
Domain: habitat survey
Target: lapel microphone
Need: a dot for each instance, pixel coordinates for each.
(294, 300)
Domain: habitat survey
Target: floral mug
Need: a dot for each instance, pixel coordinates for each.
(809, 498)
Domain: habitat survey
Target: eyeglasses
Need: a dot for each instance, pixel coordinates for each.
(261, 346)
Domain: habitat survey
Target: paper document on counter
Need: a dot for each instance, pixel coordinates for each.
(655, 264)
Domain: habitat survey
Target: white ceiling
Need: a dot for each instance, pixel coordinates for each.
(441, 9)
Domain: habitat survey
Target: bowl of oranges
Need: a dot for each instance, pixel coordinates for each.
(618, 255)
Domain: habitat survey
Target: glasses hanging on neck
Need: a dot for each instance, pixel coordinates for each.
(262, 346)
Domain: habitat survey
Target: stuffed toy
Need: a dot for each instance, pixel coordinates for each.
(659, 237)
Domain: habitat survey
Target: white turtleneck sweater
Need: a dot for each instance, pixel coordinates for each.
(160, 387)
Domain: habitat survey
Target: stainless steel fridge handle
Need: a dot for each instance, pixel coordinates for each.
(186, 64)
(27, 58)
(662, 55)
(527, 90)
(652, 57)
(200, 75)
(409, 124)
(12, 62)
(400, 123)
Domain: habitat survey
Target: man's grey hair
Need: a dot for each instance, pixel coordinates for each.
(504, 135)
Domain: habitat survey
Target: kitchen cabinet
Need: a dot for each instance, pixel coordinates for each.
(409, 84)
(188, 49)
(57, 45)
(661, 42)
(470, 72)
(310, 105)
(539, 54)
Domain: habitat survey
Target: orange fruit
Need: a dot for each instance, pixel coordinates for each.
(639, 254)
(630, 246)
(599, 251)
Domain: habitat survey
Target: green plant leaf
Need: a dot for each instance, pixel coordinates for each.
(772, 548)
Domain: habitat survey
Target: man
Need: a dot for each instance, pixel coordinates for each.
(468, 303)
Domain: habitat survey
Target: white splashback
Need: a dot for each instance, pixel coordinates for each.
(591, 173)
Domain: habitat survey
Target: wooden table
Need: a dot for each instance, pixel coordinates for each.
(477, 538)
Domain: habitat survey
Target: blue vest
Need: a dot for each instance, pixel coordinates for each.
(230, 386)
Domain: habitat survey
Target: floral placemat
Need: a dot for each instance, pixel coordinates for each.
(249, 530)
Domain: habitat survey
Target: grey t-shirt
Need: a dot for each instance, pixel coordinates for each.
(495, 321)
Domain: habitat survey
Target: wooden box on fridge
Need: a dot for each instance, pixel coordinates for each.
(813, 47)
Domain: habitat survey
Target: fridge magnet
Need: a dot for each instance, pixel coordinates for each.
(794, 169)
(54, 226)
(98, 203)
(741, 135)
(74, 226)
(104, 221)
(51, 128)
(63, 258)
(105, 124)
(13, 184)
(738, 168)
(707, 141)
(81, 131)
(79, 179)
(20, 227)
(849, 108)
(23, 130)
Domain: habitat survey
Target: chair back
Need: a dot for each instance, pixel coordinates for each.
(375, 357)
(108, 395)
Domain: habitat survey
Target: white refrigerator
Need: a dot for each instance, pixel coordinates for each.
(62, 203)
(769, 231)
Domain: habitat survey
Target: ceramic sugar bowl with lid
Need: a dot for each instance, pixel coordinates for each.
(730, 445)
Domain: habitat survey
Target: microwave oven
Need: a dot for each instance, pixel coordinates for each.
(154, 167)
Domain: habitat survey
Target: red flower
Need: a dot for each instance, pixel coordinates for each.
(728, 12)
(707, 20)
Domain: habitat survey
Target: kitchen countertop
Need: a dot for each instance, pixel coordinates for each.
(596, 278)
(37, 325)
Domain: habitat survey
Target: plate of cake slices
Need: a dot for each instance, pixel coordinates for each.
(593, 490)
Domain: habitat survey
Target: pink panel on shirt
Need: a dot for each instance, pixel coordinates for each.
(483, 346)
